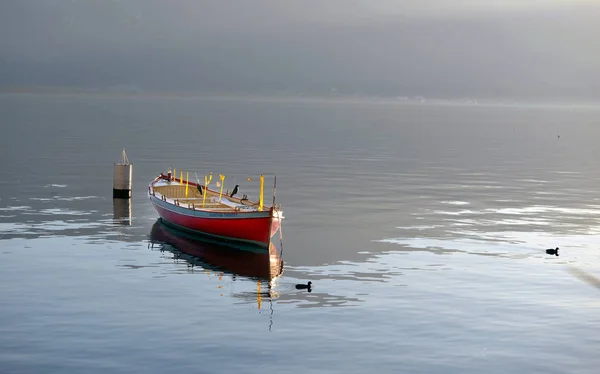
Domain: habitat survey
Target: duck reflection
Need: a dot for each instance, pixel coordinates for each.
(233, 258)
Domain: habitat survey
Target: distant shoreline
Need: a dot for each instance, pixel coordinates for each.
(301, 97)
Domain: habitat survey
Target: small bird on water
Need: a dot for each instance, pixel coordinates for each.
(552, 251)
(307, 286)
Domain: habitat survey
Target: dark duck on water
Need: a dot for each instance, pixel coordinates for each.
(552, 251)
(307, 286)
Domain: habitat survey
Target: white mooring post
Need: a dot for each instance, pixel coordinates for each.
(122, 178)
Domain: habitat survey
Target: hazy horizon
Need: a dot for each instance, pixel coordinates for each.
(543, 49)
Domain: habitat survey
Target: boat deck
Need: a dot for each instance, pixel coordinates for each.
(174, 192)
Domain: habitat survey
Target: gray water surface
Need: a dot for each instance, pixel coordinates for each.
(422, 227)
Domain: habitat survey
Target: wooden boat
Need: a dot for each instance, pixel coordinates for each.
(230, 257)
(195, 208)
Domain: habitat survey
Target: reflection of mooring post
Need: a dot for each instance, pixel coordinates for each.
(122, 178)
(122, 211)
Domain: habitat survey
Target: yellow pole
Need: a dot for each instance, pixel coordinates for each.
(258, 297)
(187, 180)
(174, 173)
(204, 194)
(262, 190)
(206, 183)
(222, 177)
(181, 177)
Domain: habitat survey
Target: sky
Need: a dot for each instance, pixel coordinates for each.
(432, 48)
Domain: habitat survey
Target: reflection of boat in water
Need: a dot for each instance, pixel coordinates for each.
(234, 258)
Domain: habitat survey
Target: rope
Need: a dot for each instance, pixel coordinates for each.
(281, 237)
(124, 159)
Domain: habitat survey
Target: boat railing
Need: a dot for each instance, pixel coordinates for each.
(211, 205)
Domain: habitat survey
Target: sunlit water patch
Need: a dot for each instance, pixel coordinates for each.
(420, 228)
(21, 208)
(458, 212)
(102, 228)
(63, 211)
(509, 244)
(63, 198)
(455, 202)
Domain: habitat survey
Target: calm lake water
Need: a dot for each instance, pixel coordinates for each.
(422, 227)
